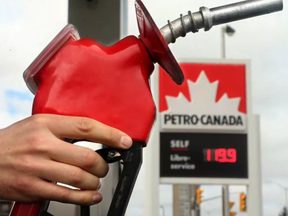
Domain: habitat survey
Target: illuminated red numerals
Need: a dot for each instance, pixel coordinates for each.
(232, 155)
(225, 156)
(220, 155)
(208, 155)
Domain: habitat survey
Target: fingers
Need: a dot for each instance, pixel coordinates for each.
(67, 174)
(78, 156)
(87, 129)
(50, 191)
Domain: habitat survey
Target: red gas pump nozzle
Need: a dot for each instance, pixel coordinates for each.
(80, 77)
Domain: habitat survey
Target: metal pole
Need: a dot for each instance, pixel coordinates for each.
(123, 18)
(195, 210)
(223, 31)
(254, 191)
(183, 201)
(226, 209)
(286, 201)
(163, 210)
(225, 188)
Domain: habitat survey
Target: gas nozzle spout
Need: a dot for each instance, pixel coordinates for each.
(206, 18)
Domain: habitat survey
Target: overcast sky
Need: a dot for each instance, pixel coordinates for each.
(28, 26)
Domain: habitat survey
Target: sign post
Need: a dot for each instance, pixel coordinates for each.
(225, 199)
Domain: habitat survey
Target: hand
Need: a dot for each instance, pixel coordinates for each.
(33, 155)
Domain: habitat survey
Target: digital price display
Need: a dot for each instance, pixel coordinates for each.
(220, 155)
(203, 155)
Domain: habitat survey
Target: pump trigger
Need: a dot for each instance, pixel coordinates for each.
(109, 154)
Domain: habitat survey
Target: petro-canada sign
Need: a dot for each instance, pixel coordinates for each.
(213, 97)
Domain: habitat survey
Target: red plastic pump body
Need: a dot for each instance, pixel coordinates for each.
(108, 84)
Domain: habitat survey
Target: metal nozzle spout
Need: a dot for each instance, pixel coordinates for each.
(207, 18)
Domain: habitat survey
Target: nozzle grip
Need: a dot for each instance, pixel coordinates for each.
(132, 161)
